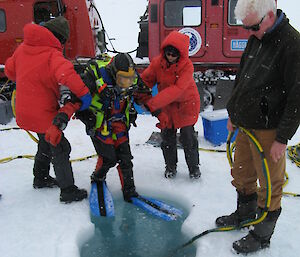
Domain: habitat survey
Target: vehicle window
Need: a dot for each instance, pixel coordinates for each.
(44, 11)
(2, 21)
(182, 13)
(231, 16)
(191, 16)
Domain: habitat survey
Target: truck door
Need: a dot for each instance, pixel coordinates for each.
(235, 38)
(13, 16)
(188, 17)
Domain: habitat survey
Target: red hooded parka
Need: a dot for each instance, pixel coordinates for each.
(39, 68)
(177, 94)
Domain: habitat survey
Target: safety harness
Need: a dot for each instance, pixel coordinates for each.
(103, 106)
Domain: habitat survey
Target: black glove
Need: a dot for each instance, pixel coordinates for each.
(132, 116)
(61, 120)
(89, 80)
(89, 120)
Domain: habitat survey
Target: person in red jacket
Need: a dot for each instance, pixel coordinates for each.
(40, 69)
(177, 104)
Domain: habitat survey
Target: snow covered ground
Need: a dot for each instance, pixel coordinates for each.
(34, 223)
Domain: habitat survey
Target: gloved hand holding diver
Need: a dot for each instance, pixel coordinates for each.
(54, 133)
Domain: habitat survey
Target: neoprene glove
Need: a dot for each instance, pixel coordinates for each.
(86, 101)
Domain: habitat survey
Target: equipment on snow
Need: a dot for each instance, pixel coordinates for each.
(101, 201)
(155, 139)
(294, 154)
(157, 208)
(101, 204)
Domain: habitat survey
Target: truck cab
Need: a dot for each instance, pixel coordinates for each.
(85, 25)
(87, 35)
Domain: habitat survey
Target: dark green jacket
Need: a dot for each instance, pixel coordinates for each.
(266, 94)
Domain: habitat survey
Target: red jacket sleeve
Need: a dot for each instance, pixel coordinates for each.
(149, 75)
(65, 74)
(10, 69)
(173, 92)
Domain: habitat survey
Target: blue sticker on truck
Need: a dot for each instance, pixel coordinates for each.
(238, 44)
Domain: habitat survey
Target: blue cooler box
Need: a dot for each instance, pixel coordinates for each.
(215, 126)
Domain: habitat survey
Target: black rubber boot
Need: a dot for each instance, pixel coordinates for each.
(195, 172)
(259, 237)
(170, 171)
(41, 169)
(72, 193)
(128, 187)
(44, 182)
(246, 209)
(128, 193)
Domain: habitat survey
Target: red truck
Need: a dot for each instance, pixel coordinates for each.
(87, 38)
(217, 41)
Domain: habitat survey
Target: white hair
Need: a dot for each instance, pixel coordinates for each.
(260, 7)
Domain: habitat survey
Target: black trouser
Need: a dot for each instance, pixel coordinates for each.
(59, 156)
(189, 142)
(112, 155)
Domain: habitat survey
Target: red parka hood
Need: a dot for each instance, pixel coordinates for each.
(36, 35)
(179, 41)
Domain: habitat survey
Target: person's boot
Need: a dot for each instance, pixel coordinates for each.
(95, 177)
(41, 169)
(170, 171)
(246, 209)
(195, 172)
(44, 182)
(127, 181)
(128, 193)
(259, 237)
(72, 193)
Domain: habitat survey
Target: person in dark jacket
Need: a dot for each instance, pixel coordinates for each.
(109, 117)
(39, 69)
(177, 104)
(265, 101)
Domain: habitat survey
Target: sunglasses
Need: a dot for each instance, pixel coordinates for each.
(255, 27)
(172, 54)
